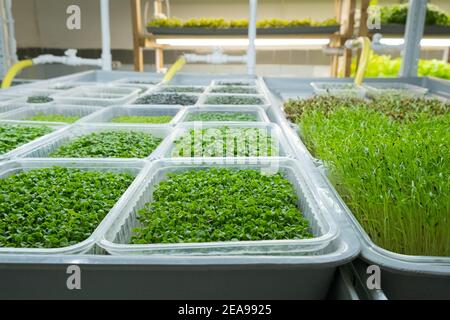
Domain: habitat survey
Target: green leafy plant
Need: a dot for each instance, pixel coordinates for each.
(220, 23)
(142, 119)
(172, 98)
(183, 89)
(221, 205)
(222, 116)
(13, 136)
(109, 144)
(56, 207)
(226, 142)
(234, 89)
(39, 99)
(388, 159)
(236, 100)
(53, 118)
(386, 66)
(398, 13)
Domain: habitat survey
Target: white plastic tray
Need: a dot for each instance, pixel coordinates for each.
(338, 89)
(117, 236)
(107, 114)
(279, 141)
(137, 168)
(66, 110)
(46, 146)
(377, 88)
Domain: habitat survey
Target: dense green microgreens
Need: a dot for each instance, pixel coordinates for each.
(53, 118)
(221, 205)
(109, 144)
(182, 89)
(173, 98)
(12, 136)
(236, 100)
(142, 119)
(57, 207)
(222, 116)
(220, 23)
(234, 89)
(226, 142)
(39, 99)
(389, 160)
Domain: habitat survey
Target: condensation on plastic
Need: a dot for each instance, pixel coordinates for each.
(117, 236)
(107, 114)
(68, 134)
(272, 129)
(56, 127)
(338, 89)
(97, 95)
(137, 168)
(259, 112)
(24, 113)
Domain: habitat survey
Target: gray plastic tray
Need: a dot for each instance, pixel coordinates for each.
(135, 167)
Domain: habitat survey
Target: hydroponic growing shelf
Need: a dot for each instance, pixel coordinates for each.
(321, 264)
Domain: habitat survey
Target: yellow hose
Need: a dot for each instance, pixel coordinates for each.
(13, 71)
(363, 59)
(174, 69)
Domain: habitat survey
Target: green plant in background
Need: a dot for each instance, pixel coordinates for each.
(234, 100)
(142, 119)
(53, 118)
(398, 13)
(221, 205)
(109, 144)
(172, 99)
(220, 23)
(389, 160)
(386, 66)
(222, 116)
(56, 207)
(226, 142)
(183, 89)
(234, 89)
(39, 99)
(13, 136)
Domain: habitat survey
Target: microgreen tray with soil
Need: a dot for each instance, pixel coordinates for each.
(221, 205)
(389, 160)
(182, 89)
(13, 136)
(222, 116)
(226, 142)
(169, 98)
(53, 118)
(142, 119)
(234, 100)
(234, 89)
(109, 144)
(56, 207)
(39, 99)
